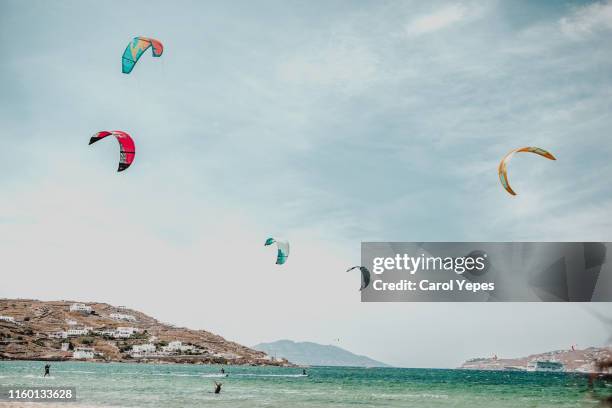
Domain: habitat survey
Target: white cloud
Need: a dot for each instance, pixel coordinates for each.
(437, 20)
(588, 20)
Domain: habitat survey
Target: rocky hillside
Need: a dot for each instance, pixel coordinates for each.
(573, 360)
(37, 330)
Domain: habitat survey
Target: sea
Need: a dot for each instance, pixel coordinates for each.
(149, 385)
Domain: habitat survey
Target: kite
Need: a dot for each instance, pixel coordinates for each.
(126, 144)
(503, 165)
(283, 249)
(136, 48)
(365, 276)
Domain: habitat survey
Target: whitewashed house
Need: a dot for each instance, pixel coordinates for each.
(173, 346)
(71, 322)
(144, 348)
(177, 346)
(9, 319)
(65, 346)
(141, 350)
(124, 332)
(81, 353)
(105, 332)
(118, 333)
(58, 335)
(80, 307)
(81, 331)
(123, 317)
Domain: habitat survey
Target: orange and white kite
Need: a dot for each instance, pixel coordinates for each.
(503, 165)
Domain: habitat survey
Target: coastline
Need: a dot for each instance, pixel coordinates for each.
(582, 361)
(158, 361)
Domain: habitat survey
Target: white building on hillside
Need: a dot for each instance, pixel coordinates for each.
(81, 353)
(70, 322)
(118, 333)
(80, 307)
(65, 346)
(81, 331)
(175, 346)
(58, 335)
(144, 348)
(124, 332)
(122, 316)
(7, 319)
(106, 332)
(140, 350)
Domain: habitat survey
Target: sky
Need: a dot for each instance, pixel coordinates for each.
(327, 123)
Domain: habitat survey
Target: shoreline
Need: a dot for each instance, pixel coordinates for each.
(188, 364)
(149, 362)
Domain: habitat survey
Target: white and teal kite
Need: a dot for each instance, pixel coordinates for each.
(283, 249)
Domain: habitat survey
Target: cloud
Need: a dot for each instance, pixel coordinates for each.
(437, 20)
(587, 20)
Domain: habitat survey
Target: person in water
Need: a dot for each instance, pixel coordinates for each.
(47, 370)
(218, 387)
(222, 370)
(304, 372)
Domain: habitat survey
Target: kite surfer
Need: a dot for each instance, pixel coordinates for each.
(218, 387)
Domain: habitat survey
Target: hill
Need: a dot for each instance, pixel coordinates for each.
(313, 354)
(61, 330)
(572, 360)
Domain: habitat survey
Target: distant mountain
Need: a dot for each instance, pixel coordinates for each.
(307, 353)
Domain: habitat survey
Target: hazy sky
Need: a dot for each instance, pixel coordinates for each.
(329, 123)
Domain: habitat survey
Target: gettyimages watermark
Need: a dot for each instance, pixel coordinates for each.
(487, 271)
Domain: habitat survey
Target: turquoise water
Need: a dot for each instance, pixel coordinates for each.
(142, 385)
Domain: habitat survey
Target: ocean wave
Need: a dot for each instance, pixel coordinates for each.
(174, 374)
(49, 377)
(270, 375)
(211, 375)
(402, 396)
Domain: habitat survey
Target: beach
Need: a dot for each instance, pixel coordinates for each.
(147, 385)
